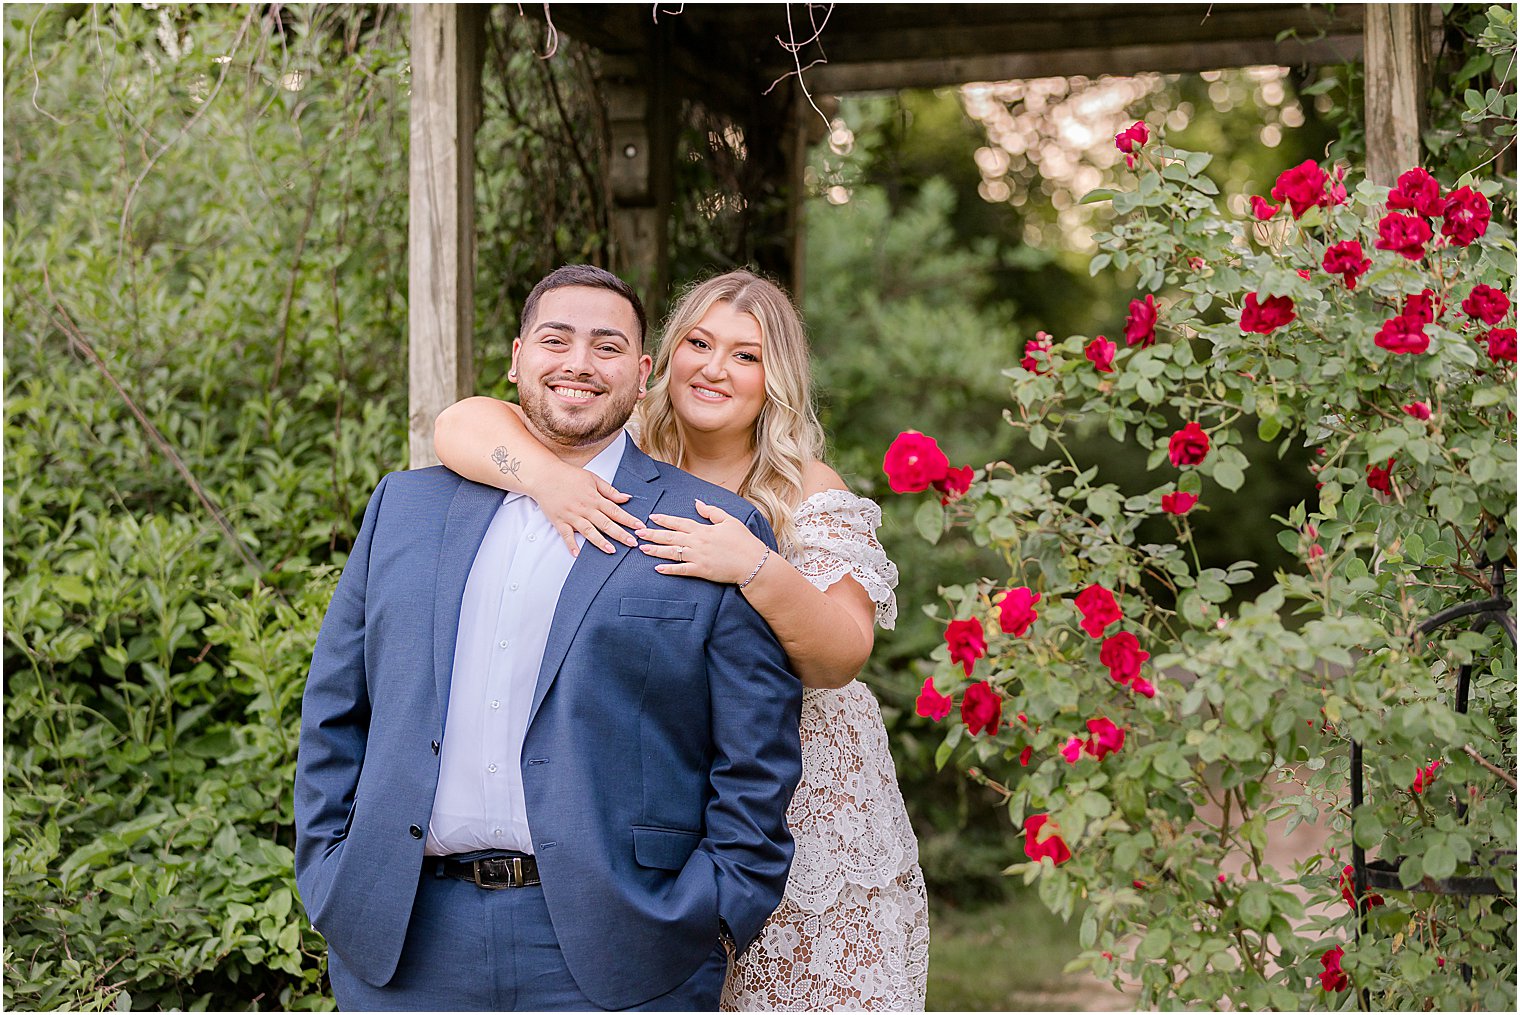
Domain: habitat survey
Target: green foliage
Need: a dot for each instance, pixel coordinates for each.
(212, 200)
(1248, 700)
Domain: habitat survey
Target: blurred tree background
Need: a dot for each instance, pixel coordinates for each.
(205, 230)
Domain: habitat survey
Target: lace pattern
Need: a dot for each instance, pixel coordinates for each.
(837, 531)
(852, 929)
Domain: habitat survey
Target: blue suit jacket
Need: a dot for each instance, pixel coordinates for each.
(660, 756)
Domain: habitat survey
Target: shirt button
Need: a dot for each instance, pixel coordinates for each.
(505, 644)
(514, 586)
(490, 768)
(496, 832)
(532, 537)
(496, 704)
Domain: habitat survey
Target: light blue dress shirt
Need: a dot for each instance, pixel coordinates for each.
(504, 619)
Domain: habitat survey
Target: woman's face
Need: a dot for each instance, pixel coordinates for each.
(717, 372)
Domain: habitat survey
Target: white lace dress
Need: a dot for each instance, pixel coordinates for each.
(852, 930)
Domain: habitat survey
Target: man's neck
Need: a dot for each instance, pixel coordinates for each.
(578, 454)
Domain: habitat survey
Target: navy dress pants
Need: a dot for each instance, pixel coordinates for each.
(471, 949)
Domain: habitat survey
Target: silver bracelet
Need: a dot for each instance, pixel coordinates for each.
(763, 558)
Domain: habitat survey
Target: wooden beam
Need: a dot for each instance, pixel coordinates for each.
(446, 56)
(1162, 58)
(1397, 65)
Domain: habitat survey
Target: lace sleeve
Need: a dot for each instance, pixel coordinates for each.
(837, 531)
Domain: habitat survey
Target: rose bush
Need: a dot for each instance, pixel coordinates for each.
(1214, 724)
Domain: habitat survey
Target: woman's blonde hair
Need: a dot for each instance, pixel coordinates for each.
(787, 434)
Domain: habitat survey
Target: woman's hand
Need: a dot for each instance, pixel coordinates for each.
(579, 501)
(725, 551)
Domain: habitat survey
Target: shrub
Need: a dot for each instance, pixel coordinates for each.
(1141, 723)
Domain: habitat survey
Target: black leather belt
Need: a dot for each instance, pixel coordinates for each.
(512, 870)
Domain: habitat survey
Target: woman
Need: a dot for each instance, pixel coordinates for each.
(731, 402)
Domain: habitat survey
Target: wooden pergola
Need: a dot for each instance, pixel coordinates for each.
(729, 57)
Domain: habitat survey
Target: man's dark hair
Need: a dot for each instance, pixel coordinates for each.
(586, 275)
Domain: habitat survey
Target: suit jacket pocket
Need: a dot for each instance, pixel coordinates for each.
(666, 848)
(657, 609)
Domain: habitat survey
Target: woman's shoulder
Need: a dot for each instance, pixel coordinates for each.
(824, 493)
(818, 477)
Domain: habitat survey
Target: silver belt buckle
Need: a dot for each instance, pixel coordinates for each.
(477, 865)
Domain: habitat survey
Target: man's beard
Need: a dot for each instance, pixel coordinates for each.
(578, 431)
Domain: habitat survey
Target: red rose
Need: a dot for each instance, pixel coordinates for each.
(1348, 882)
(1140, 325)
(1419, 410)
(931, 704)
(1035, 350)
(1042, 839)
(1401, 335)
(1381, 479)
(1024, 756)
(1142, 687)
(1178, 503)
(1098, 608)
(1303, 187)
(1304, 273)
(1261, 210)
(1486, 304)
(1417, 191)
(1106, 738)
(1101, 352)
(1123, 656)
(981, 709)
(1405, 235)
(1346, 260)
(1332, 979)
(1072, 752)
(1501, 344)
(954, 484)
(1130, 140)
(1422, 306)
(1424, 777)
(1315, 552)
(913, 462)
(1337, 191)
(967, 642)
(1016, 611)
(1267, 316)
(1188, 446)
(1466, 216)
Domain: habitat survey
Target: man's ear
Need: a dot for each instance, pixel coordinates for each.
(646, 364)
(512, 371)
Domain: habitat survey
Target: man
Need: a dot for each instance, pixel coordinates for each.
(535, 781)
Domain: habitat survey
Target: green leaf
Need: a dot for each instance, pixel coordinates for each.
(1267, 428)
(929, 519)
(1229, 476)
(1197, 162)
(1098, 196)
(1440, 861)
(1155, 944)
(1255, 907)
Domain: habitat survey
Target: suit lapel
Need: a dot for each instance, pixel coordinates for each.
(635, 476)
(470, 514)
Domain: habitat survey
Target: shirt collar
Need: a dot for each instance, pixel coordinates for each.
(604, 466)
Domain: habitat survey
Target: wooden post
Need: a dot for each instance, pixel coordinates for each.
(641, 117)
(446, 55)
(1396, 57)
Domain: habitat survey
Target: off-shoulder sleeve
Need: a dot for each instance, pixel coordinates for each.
(837, 532)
